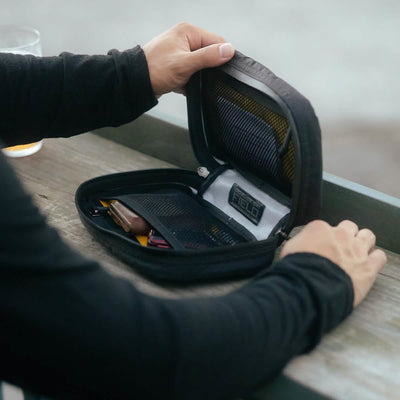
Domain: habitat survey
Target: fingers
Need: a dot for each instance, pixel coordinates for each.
(367, 237)
(198, 37)
(178, 53)
(349, 226)
(210, 56)
(207, 48)
(377, 260)
(317, 225)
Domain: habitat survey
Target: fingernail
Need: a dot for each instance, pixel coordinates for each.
(226, 50)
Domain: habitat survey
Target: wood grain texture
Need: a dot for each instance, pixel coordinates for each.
(53, 174)
(358, 360)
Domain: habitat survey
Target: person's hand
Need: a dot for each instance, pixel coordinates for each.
(347, 246)
(181, 51)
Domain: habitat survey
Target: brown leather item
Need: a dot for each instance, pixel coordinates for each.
(129, 221)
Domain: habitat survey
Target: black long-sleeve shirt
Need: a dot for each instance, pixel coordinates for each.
(69, 329)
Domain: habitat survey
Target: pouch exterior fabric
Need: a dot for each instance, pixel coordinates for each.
(259, 139)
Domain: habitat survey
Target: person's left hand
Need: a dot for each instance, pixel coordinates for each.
(181, 51)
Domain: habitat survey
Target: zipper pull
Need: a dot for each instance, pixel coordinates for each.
(203, 172)
(282, 234)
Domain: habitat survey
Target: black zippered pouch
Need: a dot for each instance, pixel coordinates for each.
(258, 144)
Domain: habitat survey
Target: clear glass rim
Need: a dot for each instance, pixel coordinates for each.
(22, 28)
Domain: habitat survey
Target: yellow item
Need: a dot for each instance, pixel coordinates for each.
(22, 150)
(106, 203)
(142, 240)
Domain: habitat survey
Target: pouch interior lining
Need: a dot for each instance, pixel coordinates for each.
(218, 195)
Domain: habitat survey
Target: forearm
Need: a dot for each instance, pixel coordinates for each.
(127, 344)
(232, 344)
(70, 94)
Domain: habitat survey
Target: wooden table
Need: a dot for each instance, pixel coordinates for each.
(358, 360)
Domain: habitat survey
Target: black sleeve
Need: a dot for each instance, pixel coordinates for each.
(71, 330)
(69, 94)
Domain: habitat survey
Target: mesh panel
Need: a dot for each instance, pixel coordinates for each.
(251, 134)
(188, 221)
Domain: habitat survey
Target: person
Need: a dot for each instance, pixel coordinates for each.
(69, 329)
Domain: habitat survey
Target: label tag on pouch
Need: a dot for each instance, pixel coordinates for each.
(246, 204)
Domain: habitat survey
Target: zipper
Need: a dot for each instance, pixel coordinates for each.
(282, 234)
(203, 172)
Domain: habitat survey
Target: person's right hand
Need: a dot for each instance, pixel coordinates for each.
(175, 55)
(347, 246)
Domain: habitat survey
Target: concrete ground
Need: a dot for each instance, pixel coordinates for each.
(344, 56)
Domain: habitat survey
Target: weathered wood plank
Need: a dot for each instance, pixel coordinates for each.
(53, 176)
(358, 360)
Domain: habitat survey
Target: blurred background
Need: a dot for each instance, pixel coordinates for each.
(343, 55)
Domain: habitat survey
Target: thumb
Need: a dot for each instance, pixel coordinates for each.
(211, 56)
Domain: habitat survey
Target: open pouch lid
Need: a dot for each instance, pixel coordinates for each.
(243, 115)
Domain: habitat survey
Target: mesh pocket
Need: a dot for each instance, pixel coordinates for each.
(248, 138)
(178, 215)
(250, 134)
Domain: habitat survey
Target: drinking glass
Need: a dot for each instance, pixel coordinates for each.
(20, 40)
